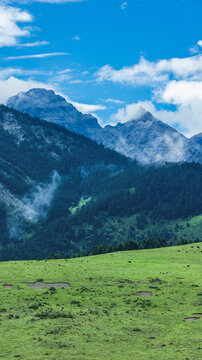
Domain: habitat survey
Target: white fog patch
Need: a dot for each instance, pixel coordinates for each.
(167, 147)
(34, 206)
(174, 149)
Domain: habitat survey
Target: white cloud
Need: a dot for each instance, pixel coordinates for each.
(180, 92)
(140, 74)
(65, 75)
(55, 1)
(196, 48)
(13, 85)
(36, 56)
(76, 81)
(184, 92)
(150, 73)
(87, 108)
(114, 101)
(10, 17)
(124, 5)
(187, 96)
(76, 38)
(42, 1)
(10, 32)
(60, 78)
(34, 44)
(64, 71)
(85, 73)
(187, 116)
(133, 111)
(6, 72)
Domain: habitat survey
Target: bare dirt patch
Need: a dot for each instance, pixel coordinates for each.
(144, 293)
(40, 285)
(191, 319)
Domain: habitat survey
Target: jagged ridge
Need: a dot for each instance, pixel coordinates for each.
(146, 139)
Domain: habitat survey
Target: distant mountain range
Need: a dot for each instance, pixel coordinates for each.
(147, 139)
(62, 192)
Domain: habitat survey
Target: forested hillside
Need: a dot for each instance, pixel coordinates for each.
(143, 206)
(44, 170)
(63, 194)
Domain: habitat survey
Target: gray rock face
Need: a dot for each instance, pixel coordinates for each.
(46, 105)
(197, 139)
(150, 140)
(146, 139)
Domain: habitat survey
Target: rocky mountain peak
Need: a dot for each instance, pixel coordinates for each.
(146, 116)
(144, 138)
(46, 105)
(37, 97)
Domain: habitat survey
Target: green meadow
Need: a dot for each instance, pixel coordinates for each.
(134, 305)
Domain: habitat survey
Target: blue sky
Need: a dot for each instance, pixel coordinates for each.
(111, 58)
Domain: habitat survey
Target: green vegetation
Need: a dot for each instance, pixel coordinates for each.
(103, 314)
(129, 202)
(82, 202)
(196, 220)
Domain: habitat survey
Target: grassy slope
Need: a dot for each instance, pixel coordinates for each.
(105, 322)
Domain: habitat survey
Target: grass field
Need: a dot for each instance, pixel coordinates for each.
(102, 316)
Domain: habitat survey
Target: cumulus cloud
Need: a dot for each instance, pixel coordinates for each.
(150, 73)
(185, 91)
(187, 96)
(10, 31)
(180, 92)
(140, 74)
(133, 111)
(13, 85)
(187, 116)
